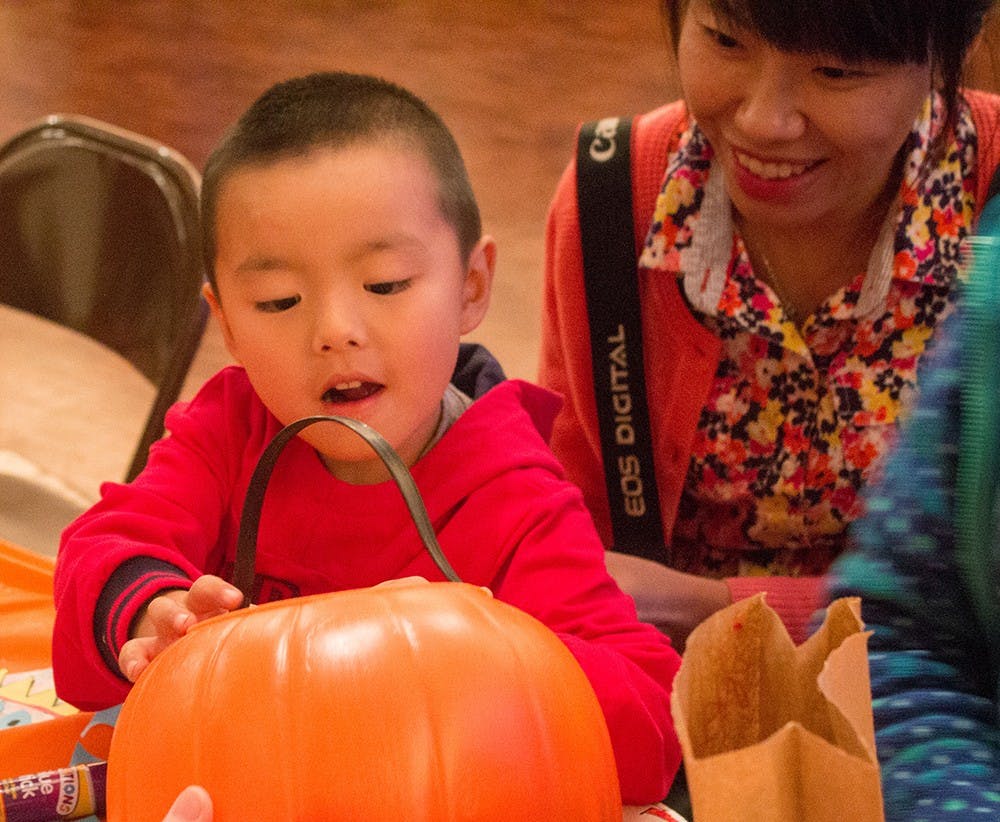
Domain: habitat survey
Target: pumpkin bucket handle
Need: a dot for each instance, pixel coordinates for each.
(246, 543)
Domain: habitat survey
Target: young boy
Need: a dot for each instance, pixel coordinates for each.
(345, 261)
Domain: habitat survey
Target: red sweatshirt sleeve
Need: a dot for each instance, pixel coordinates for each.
(139, 540)
(557, 574)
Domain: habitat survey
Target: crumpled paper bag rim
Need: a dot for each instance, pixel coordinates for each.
(837, 652)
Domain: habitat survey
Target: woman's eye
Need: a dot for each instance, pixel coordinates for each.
(724, 40)
(840, 73)
(276, 306)
(389, 287)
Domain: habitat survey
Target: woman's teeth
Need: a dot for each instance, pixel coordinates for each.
(771, 171)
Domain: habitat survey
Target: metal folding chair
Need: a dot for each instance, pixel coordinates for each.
(99, 232)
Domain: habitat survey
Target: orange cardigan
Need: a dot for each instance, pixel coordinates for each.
(680, 354)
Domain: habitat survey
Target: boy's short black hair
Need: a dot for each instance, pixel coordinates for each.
(934, 32)
(335, 110)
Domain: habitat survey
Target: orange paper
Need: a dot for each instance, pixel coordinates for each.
(777, 733)
(26, 609)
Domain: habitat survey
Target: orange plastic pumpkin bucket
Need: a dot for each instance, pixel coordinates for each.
(416, 702)
(423, 702)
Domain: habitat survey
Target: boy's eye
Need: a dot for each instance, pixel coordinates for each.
(276, 306)
(388, 287)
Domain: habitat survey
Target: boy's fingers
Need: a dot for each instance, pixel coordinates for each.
(211, 594)
(193, 804)
(400, 581)
(168, 615)
(136, 655)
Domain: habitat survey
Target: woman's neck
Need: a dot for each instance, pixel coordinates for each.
(806, 265)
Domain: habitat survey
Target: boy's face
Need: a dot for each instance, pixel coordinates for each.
(341, 290)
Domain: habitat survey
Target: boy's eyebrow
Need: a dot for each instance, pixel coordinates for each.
(390, 242)
(261, 263)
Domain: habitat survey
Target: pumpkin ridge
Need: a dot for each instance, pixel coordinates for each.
(433, 765)
(294, 657)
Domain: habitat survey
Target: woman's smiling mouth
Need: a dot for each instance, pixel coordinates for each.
(771, 170)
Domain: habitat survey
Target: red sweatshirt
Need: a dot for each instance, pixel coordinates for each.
(505, 518)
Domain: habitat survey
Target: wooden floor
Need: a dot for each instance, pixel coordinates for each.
(512, 79)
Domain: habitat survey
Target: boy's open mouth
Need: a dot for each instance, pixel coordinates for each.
(351, 391)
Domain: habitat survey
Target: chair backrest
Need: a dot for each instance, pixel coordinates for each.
(99, 232)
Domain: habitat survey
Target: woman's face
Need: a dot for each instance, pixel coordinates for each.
(802, 139)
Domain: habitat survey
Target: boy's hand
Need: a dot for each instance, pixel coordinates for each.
(171, 615)
(411, 580)
(193, 804)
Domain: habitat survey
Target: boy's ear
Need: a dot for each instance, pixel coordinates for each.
(216, 307)
(478, 283)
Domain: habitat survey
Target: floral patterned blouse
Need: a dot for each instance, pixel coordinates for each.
(799, 416)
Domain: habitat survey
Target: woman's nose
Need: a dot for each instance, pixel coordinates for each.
(770, 109)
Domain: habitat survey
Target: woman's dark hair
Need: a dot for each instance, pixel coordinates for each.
(336, 110)
(938, 32)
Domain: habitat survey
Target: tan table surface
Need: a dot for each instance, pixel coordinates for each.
(71, 411)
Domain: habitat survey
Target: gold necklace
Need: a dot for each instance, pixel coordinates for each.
(768, 276)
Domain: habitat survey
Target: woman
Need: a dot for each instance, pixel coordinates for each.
(799, 216)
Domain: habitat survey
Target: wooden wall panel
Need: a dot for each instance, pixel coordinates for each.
(512, 79)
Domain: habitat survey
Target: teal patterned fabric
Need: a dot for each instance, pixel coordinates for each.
(929, 591)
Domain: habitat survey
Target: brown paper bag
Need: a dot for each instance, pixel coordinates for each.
(775, 733)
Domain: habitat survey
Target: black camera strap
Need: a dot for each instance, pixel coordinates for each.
(604, 199)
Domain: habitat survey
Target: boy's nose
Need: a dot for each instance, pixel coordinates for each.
(770, 110)
(337, 329)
